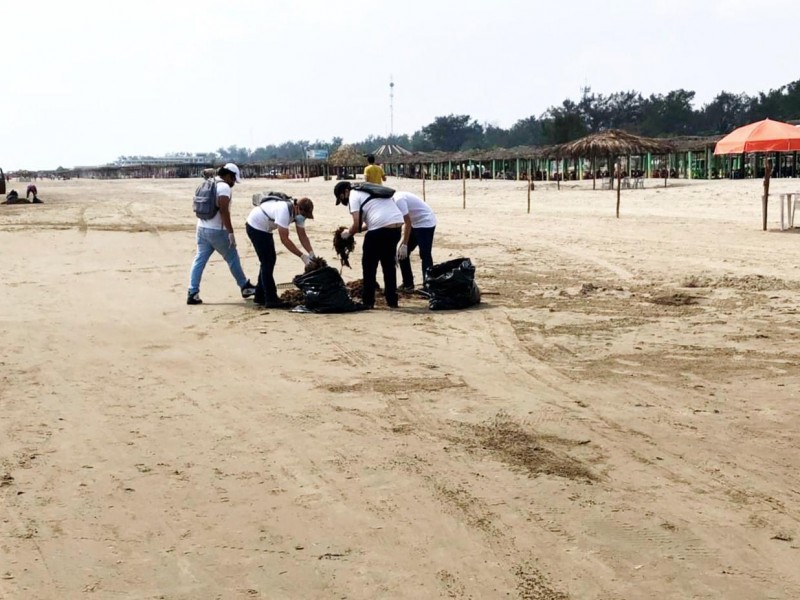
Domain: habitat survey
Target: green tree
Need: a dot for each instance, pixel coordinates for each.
(452, 133)
(563, 123)
(723, 114)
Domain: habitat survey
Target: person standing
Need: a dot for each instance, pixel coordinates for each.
(384, 221)
(373, 173)
(261, 222)
(217, 234)
(418, 232)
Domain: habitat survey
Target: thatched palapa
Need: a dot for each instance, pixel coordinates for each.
(348, 156)
(612, 142)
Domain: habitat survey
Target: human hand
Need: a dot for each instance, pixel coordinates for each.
(402, 252)
(345, 234)
(306, 259)
(232, 240)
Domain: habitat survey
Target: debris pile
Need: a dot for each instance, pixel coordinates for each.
(343, 247)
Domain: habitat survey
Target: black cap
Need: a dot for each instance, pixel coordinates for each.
(339, 189)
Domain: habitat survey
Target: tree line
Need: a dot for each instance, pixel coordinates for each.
(657, 115)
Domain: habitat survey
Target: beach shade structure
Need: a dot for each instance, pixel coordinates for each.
(348, 156)
(762, 136)
(391, 150)
(611, 143)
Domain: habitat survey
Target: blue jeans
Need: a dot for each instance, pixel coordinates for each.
(422, 237)
(209, 240)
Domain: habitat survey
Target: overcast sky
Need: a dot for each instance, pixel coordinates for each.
(84, 82)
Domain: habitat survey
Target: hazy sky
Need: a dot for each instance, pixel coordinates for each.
(84, 82)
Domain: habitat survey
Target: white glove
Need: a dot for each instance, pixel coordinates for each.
(311, 255)
(306, 259)
(402, 252)
(232, 240)
(345, 234)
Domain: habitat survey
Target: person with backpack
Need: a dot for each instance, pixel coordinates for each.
(373, 205)
(277, 211)
(212, 204)
(418, 232)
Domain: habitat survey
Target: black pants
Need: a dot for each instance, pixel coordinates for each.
(266, 291)
(421, 237)
(380, 247)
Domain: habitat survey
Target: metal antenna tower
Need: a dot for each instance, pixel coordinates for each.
(391, 106)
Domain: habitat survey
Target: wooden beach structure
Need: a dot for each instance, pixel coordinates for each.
(686, 158)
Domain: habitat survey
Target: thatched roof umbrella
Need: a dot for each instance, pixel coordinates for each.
(390, 150)
(348, 156)
(612, 143)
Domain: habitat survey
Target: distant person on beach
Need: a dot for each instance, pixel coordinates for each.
(217, 234)
(372, 172)
(261, 222)
(31, 190)
(418, 231)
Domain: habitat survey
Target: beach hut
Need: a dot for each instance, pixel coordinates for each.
(347, 161)
(389, 154)
(612, 144)
(761, 136)
(390, 150)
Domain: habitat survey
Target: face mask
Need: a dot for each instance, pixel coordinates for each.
(300, 220)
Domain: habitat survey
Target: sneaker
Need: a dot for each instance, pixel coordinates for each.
(194, 298)
(406, 289)
(248, 290)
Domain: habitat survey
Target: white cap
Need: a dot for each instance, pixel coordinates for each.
(235, 170)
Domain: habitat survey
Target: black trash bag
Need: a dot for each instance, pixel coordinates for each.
(324, 292)
(451, 285)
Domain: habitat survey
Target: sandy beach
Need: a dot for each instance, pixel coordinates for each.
(617, 420)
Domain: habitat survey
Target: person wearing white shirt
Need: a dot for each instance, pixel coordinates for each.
(269, 215)
(384, 221)
(420, 226)
(217, 234)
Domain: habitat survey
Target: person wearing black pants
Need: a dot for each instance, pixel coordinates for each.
(380, 246)
(384, 222)
(264, 245)
(269, 214)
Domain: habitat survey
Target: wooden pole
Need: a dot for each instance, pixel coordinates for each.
(464, 193)
(619, 185)
(529, 193)
(423, 184)
(765, 198)
(558, 179)
(666, 171)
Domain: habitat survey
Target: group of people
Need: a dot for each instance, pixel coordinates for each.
(396, 226)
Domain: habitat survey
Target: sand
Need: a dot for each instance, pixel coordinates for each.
(617, 420)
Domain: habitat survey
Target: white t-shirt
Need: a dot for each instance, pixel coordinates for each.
(270, 215)
(223, 189)
(378, 212)
(416, 208)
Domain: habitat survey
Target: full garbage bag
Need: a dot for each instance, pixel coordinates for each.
(451, 285)
(324, 292)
